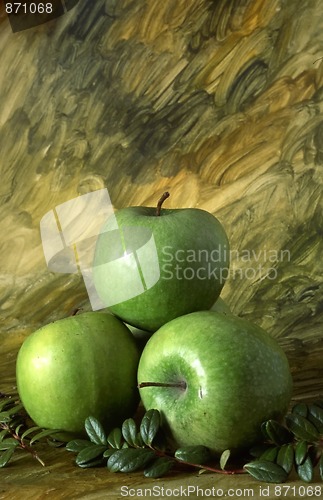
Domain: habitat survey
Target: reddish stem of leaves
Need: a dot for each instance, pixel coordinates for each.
(209, 468)
(22, 445)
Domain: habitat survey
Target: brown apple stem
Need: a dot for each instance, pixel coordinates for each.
(161, 201)
(180, 385)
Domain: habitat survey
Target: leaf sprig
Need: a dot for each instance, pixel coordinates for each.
(15, 433)
(129, 449)
(297, 445)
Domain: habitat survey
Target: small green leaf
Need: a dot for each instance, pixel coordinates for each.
(130, 459)
(44, 433)
(270, 454)
(95, 431)
(305, 471)
(94, 463)
(285, 457)
(314, 452)
(77, 445)
(3, 434)
(266, 471)
(109, 452)
(159, 467)
(316, 417)
(115, 438)
(3, 403)
(89, 454)
(31, 430)
(6, 456)
(8, 443)
(129, 431)
(225, 455)
(4, 419)
(8, 402)
(149, 426)
(302, 428)
(193, 454)
(18, 428)
(12, 411)
(139, 441)
(321, 467)
(300, 409)
(301, 450)
(264, 430)
(276, 433)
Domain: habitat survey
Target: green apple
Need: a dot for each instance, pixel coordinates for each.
(76, 367)
(153, 265)
(215, 378)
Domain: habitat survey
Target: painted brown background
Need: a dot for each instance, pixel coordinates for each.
(220, 102)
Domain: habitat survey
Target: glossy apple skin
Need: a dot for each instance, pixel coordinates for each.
(176, 232)
(80, 366)
(237, 376)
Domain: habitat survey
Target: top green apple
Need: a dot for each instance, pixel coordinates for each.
(153, 265)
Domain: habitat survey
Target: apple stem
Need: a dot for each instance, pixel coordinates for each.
(180, 385)
(161, 201)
